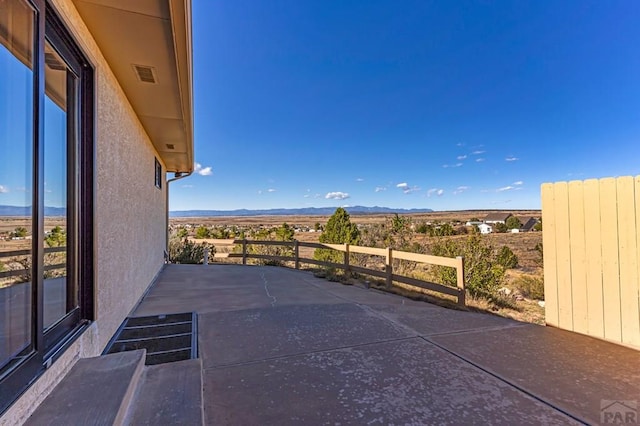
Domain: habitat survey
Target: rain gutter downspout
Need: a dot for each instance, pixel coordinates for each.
(177, 176)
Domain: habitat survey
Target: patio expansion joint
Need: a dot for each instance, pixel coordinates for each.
(506, 380)
(475, 330)
(319, 351)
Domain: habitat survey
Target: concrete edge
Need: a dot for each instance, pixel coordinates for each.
(126, 405)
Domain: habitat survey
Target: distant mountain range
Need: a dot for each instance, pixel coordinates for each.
(307, 211)
(26, 211)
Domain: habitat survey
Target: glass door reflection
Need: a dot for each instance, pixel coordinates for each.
(60, 295)
(16, 181)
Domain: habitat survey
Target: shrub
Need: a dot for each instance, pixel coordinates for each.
(531, 287)
(188, 252)
(483, 274)
(507, 258)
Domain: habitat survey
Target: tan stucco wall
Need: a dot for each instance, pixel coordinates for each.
(130, 221)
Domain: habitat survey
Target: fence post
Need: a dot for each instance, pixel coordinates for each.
(347, 269)
(244, 251)
(462, 293)
(205, 260)
(296, 253)
(389, 266)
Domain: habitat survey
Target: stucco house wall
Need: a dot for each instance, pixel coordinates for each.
(130, 221)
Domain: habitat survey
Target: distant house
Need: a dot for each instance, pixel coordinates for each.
(497, 218)
(472, 223)
(485, 229)
(527, 223)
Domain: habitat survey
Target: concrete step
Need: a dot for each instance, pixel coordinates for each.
(169, 394)
(96, 391)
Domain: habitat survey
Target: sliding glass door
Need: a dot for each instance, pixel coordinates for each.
(46, 192)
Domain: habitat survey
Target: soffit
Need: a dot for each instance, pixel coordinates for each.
(154, 34)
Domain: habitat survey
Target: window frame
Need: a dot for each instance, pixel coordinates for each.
(48, 345)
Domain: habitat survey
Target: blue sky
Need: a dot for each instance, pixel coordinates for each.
(437, 104)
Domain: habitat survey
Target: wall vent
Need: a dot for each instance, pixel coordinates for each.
(145, 74)
(171, 146)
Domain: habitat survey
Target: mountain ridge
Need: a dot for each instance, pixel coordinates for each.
(303, 211)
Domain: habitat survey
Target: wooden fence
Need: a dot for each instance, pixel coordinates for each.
(591, 240)
(387, 254)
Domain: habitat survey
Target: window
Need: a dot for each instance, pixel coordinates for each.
(158, 174)
(46, 179)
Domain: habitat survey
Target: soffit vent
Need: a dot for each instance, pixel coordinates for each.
(52, 62)
(171, 146)
(145, 74)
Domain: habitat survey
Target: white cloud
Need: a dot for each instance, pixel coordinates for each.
(380, 188)
(478, 152)
(511, 158)
(271, 190)
(259, 192)
(3, 189)
(505, 188)
(446, 166)
(518, 183)
(202, 171)
(479, 160)
(307, 195)
(460, 144)
(187, 186)
(404, 186)
(436, 191)
(460, 190)
(461, 157)
(359, 180)
(337, 195)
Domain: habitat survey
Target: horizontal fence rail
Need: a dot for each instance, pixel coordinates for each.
(387, 253)
(28, 252)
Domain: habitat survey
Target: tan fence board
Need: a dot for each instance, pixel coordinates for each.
(577, 234)
(593, 250)
(610, 261)
(549, 254)
(425, 258)
(627, 234)
(563, 252)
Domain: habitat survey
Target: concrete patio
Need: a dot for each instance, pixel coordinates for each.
(280, 346)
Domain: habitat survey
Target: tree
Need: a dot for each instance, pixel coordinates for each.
(338, 230)
(500, 228)
(513, 223)
(538, 226)
(483, 274)
(182, 233)
(285, 232)
(202, 232)
(57, 237)
(507, 258)
(19, 232)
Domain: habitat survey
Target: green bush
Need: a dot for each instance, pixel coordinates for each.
(507, 258)
(531, 287)
(483, 274)
(339, 230)
(188, 252)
